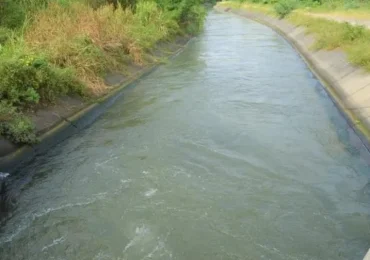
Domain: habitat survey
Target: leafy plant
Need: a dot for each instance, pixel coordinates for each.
(285, 7)
(28, 80)
(14, 126)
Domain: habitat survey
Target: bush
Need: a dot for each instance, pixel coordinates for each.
(190, 14)
(195, 18)
(152, 24)
(285, 7)
(28, 80)
(14, 126)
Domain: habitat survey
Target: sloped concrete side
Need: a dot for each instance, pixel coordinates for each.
(13, 157)
(18, 156)
(348, 85)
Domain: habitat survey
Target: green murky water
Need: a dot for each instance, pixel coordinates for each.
(231, 151)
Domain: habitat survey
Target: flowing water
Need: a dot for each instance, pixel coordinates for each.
(233, 150)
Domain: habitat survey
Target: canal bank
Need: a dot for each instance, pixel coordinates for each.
(57, 124)
(348, 85)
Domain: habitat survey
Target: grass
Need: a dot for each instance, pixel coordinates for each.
(342, 8)
(349, 7)
(94, 41)
(353, 40)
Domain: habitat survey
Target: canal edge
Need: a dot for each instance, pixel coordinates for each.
(76, 122)
(353, 112)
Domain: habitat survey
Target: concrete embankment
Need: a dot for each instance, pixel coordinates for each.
(348, 85)
(62, 124)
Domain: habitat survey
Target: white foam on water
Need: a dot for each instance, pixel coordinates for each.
(146, 172)
(150, 192)
(98, 196)
(102, 255)
(140, 233)
(124, 184)
(28, 221)
(106, 161)
(54, 243)
(157, 248)
(3, 175)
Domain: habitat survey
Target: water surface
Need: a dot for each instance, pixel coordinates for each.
(233, 150)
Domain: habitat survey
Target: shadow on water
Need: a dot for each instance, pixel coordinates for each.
(345, 132)
(347, 136)
(5, 201)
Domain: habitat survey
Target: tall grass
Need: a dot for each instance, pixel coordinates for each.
(93, 41)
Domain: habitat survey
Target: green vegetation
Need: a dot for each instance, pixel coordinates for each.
(15, 126)
(285, 7)
(354, 40)
(52, 48)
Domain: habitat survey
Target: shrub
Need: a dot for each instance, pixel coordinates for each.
(351, 32)
(28, 80)
(195, 17)
(152, 24)
(285, 7)
(19, 130)
(14, 126)
(189, 13)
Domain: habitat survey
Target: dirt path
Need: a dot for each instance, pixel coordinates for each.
(337, 17)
